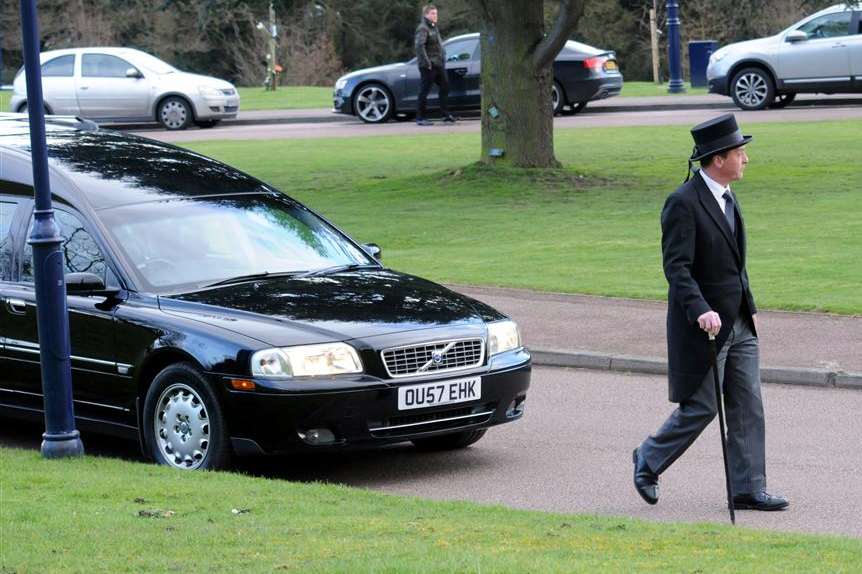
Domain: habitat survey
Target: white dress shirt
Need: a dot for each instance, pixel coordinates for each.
(716, 188)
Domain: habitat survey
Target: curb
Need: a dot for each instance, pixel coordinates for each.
(649, 365)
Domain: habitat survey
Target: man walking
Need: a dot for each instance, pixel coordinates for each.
(431, 59)
(703, 252)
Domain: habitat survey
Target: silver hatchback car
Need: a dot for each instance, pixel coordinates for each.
(819, 54)
(127, 85)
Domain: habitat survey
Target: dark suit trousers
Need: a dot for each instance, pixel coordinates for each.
(436, 75)
(738, 367)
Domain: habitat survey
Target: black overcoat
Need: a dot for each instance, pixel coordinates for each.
(704, 263)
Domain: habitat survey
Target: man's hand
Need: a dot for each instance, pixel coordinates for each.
(710, 322)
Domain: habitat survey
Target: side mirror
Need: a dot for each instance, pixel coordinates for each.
(373, 250)
(796, 36)
(134, 73)
(87, 284)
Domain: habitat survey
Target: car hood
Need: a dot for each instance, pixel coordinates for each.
(749, 45)
(374, 70)
(193, 80)
(304, 310)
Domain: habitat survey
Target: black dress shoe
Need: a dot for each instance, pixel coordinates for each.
(450, 119)
(646, 481)
(760, 501)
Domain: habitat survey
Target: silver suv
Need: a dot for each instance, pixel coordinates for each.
(819, 54)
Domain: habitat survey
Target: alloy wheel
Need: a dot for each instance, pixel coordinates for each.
(373, 104)
(751, 89)
(181, 426)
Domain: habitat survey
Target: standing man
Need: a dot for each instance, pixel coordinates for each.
(703, 252)
(431, 59)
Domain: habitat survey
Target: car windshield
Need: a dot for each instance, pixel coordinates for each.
(152, 63)
(182, 245)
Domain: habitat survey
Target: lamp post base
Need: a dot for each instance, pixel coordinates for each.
(676, 87)
(62, 445)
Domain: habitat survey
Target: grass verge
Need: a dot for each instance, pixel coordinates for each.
(647, 89)
(104, 515)
(592, 227)
(285, 98)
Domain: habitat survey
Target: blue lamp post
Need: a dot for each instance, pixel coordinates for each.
(60, 439)
(676, 85)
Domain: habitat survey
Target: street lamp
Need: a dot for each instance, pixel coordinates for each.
(60, 439)
(676, 85)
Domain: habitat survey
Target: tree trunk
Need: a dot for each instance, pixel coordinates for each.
(517, 117)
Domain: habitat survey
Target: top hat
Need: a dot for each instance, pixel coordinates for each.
(715, 136)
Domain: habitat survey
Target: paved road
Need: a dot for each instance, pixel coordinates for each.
(349, 127)
(571, 453)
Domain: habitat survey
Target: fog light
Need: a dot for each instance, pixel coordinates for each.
(516, 408)
(317, 437)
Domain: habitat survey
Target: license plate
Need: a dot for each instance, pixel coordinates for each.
(441, 393)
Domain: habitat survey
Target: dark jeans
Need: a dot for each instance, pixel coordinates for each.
(436, 75)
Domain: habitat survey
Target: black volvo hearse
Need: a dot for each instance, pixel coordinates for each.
(212, 315)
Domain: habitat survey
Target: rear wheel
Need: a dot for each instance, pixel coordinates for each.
(752, 89)
(452, 441)
(783, 100)
(183, 422)
(557, 97)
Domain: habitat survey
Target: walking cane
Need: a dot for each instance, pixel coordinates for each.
(719, 403)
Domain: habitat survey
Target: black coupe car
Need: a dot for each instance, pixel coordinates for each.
(212, 315)
(581, 74)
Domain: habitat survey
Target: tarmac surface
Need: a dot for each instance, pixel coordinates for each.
(571, 453)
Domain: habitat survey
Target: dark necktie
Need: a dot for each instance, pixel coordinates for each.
(728, 211)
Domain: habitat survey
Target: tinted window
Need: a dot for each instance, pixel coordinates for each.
(64, 66)
(104, 66)
(461, 50)
(7, 208)
(828, 26)
(196, 242)
(80, 252)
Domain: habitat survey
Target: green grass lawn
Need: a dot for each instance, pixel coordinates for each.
(5, 96)
(104, 515)
(642, 89)
(285, 98)
(590, 228)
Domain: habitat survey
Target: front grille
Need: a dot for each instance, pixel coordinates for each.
(434, 357)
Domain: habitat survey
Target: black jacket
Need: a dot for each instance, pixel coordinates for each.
(705, 268)
(429, 46)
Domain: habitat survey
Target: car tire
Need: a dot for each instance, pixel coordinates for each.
(783, 100)
(373, 103)
(183, 422)
(558, 97)
(574, 109)
(206, 124)
(453, 441)
(752, 89)
(174, 113)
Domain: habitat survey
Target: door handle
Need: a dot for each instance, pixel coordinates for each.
(460, 71)
(839, 45)
(16, 306)
(83, 87)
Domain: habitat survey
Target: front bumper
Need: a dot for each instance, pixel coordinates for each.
(364, 413)
(342, 103)
(717, 85)
(216, 107)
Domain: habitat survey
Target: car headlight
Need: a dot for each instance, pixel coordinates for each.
(717, 56)
(340, 83)
(503, 336)
(209, 91)
(306, 361)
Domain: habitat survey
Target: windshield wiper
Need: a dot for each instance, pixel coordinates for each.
(339, 268)
(253, 277)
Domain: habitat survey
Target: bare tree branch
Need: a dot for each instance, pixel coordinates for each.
(567, 19)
